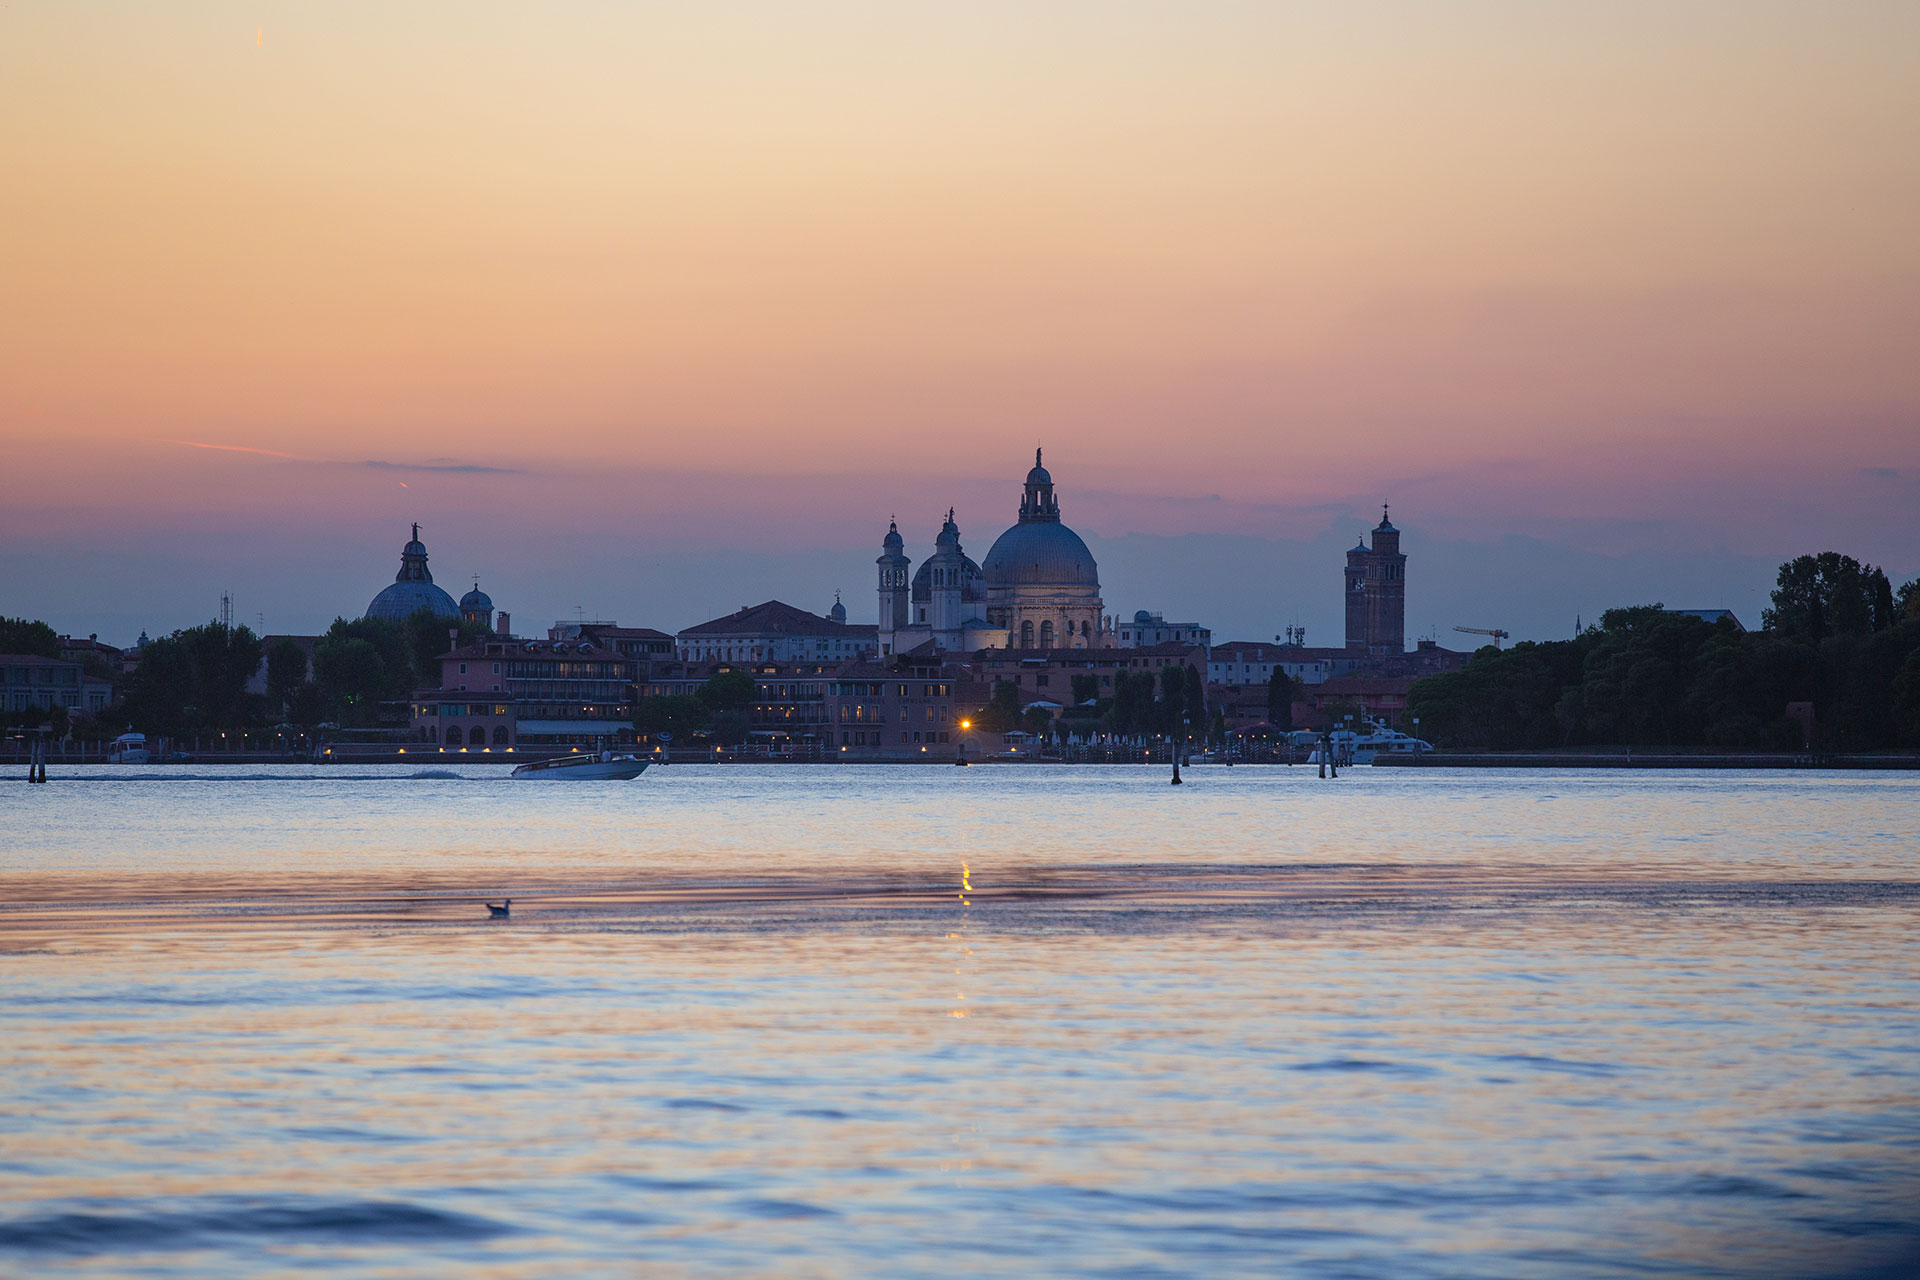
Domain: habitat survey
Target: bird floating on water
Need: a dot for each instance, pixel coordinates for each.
(502, 911)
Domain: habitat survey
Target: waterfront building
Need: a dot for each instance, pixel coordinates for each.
(643, 644)
(1038, 587)
(1046, 675)
(1150, 629)
(508, 693)
(1251, 662)
(773, 632)
(1376, 594)
(412, 588)
(901, 710)
(30, 682)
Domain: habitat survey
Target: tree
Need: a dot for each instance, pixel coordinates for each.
(354, 675)
(1173, 701)
(1132, 709)
(729, 727)
(729, 691)
(1885, 614)
(1196, 697)
(25, 636)
(1002, 711)
(1037, 721)
(1280, 695)
(427, 641)
(1827, 594)
(355, 684)
(679, 715)
(1086, 688)
(286, 671)
(195, 680)
(1907, 601)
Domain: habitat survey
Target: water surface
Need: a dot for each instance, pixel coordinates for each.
(811, 1021)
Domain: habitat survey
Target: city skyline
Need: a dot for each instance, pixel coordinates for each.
(1615, 303)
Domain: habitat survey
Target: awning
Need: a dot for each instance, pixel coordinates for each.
(577, 728)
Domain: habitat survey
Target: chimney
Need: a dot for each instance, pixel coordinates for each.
(504, 628)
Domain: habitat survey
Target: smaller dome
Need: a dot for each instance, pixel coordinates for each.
(839, 611)
(893, 540)
(1141, 615)
(476, 600)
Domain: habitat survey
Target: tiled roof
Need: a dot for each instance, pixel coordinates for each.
(774, 618)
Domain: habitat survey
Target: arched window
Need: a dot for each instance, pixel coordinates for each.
(477, 735)
(1083, 629)
(499, 735)
(1026, 634)
(453, 735)
(1046, 634)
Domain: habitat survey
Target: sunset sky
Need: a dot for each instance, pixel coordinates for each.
(659, 309)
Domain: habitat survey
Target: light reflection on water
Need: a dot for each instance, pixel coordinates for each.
(1408, 1023)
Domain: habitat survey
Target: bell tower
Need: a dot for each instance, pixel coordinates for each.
(1376, 594)
(893, 587)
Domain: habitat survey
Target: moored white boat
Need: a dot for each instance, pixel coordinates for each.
(128, 748)
(1361, 748)
(600, 766)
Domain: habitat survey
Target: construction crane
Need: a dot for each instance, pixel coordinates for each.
(1496, 633)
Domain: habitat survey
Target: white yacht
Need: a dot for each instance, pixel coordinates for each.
(587, 766)
(128, 748)
(1361, 748)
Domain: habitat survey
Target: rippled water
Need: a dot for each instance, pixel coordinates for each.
(799, 1021)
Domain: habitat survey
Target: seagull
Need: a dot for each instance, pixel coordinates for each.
(502, 911)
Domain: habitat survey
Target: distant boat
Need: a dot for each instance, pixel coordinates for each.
(128, 748)
(599, 767)
(1361, 748)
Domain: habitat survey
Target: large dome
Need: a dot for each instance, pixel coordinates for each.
(1042, 553)
(401, 600)
(413, 588)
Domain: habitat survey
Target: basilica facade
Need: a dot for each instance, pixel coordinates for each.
(1038, 588)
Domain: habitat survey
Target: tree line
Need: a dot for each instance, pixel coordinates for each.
(1837, 636)
(194, 681)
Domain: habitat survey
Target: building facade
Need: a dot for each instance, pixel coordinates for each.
(29, 682)
(519, 693)
(1150, 628)
(1248, 662)
(903, 710)
(773, 632)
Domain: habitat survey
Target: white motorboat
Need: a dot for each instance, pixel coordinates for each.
(1361, 748)
(600, 766)
(128, 748)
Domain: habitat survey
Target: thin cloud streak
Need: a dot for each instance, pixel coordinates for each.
(237, 448)
(459, 468)
(442, 465)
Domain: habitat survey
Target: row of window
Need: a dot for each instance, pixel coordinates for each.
(42, 675)
(446, 709)
(858, 737)
(476, 736)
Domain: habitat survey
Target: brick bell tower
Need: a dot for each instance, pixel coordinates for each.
(1376, 594)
